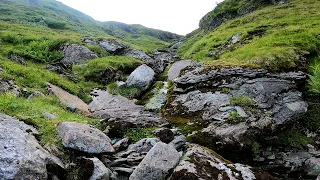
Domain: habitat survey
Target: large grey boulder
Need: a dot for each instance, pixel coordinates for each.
(141, 78)
(112, 46)
(176, 68)
(84, 138)
(120, 113)
(157, 163)
(21, 156)
(75, 54)
(72, 102)
(201, 163)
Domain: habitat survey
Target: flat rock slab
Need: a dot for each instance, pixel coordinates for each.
(121, 112)
(177, 67)
(21, 156)
(157, 163)
(84, 138)
(113, 105)
(71, 101)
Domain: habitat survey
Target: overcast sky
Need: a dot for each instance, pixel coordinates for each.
(178, 16)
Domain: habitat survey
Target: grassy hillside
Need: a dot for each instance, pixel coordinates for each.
(34, 30)
(277, 37)
(53, 15)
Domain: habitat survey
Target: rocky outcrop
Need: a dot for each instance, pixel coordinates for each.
(84, 138)
(111, 45)
(165, 56)
(291, 162)
(75, 54)
(157, 163)
(124, 162)
(237, 105)
(200, 163)
(157, 66)
(72, 102)
(8, 86)
(18, 59)
(141, 78)
(21, 156)
(177, 67)
(61, 69)
(120, 113)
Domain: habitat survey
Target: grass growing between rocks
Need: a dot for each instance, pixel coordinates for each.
(314, 80)
(243, 101)
(293, 138)
(31, 111)
(274, 38)
(128, 92)
(136, 135)
(34, 77)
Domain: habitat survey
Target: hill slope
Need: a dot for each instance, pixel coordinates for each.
(275, 37)
(55, 15)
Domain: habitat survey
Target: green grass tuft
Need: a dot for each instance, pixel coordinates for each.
(138, 134)
(314, 80)
(128, 92)
(30, 111)
(243, 101)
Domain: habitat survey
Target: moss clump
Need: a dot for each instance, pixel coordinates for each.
(244, 101)
(98, 50)
(255, 148)
(129, 92)
(138, 134)
(234, 117)
(293, 138)
(153, 90)
(225, 90)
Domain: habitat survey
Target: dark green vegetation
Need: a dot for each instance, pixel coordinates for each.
(293, 138)
(275, 37)
(137, 134)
